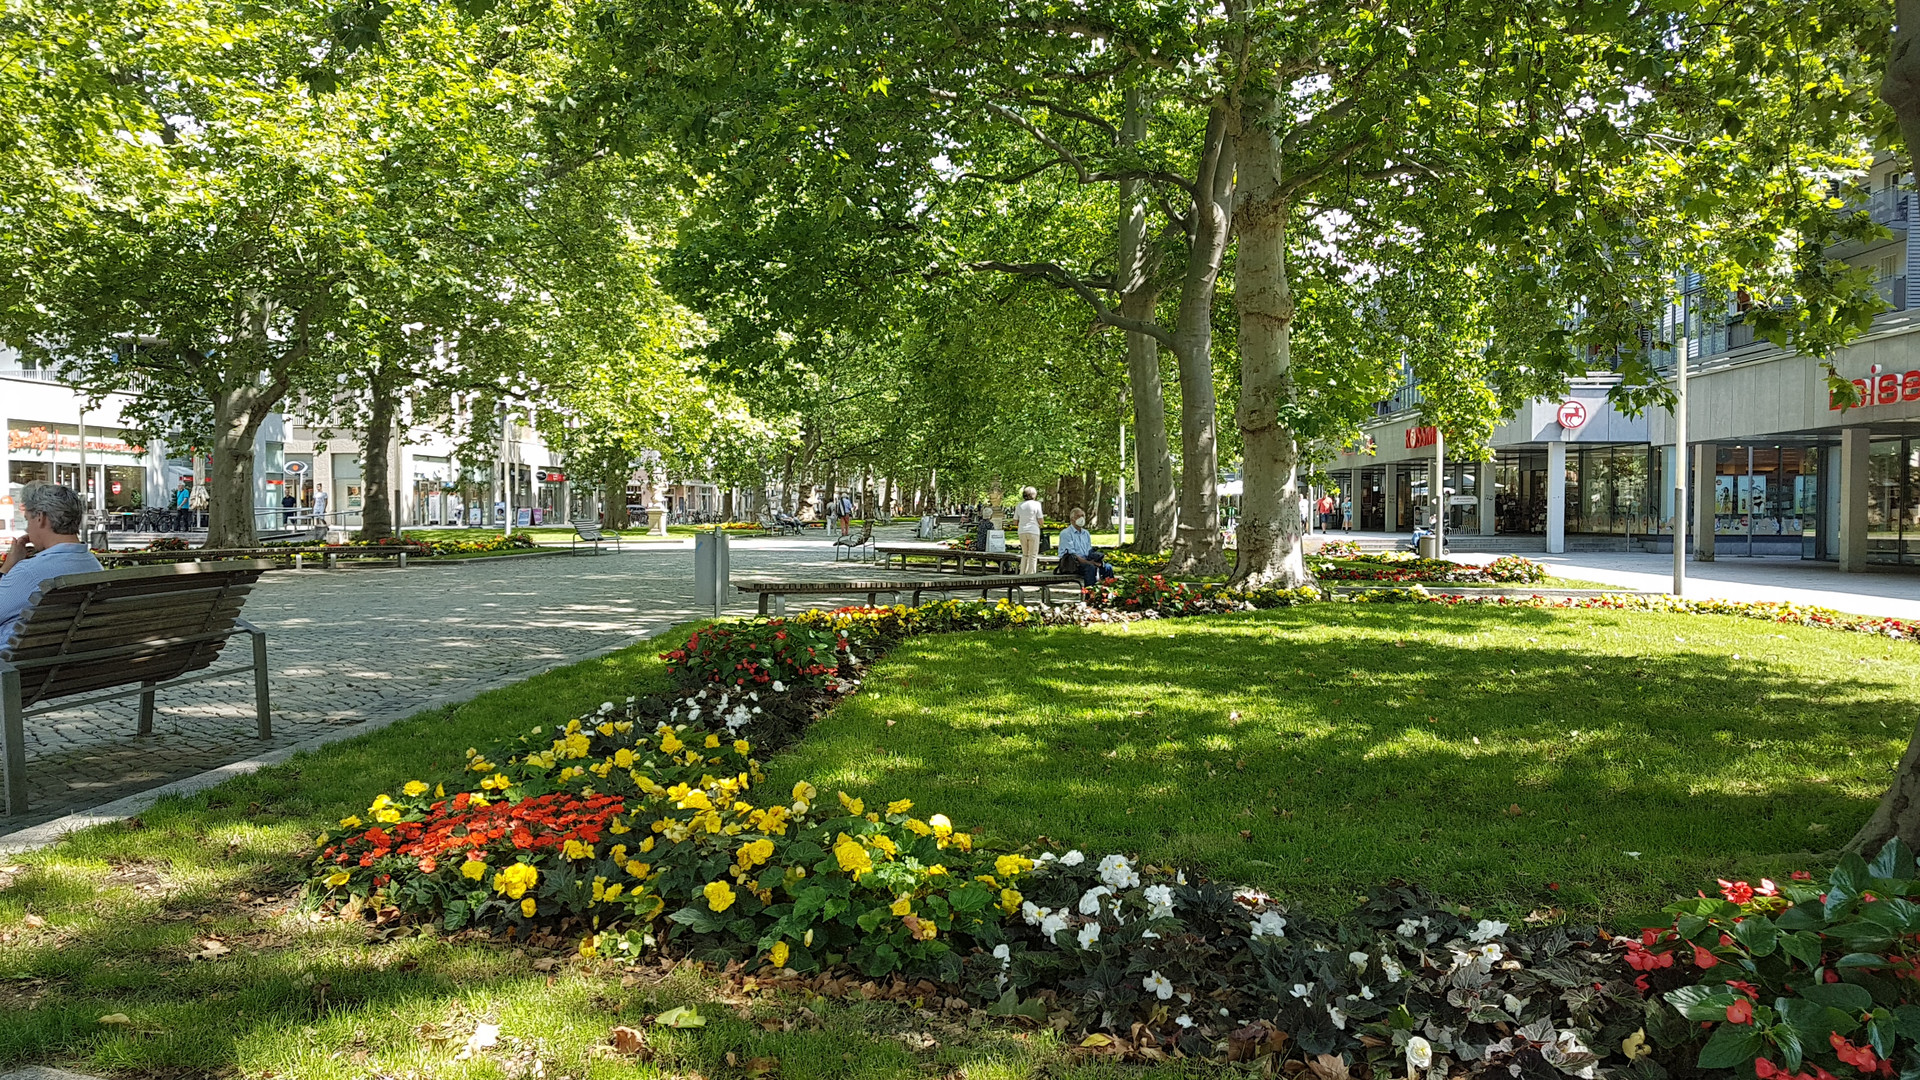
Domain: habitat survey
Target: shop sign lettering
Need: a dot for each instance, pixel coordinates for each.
(1882, 390)
(40, 440)
(1418, 437)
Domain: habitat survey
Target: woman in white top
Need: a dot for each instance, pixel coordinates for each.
(1026, 521)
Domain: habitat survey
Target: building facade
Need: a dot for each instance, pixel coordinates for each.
(1777, 468)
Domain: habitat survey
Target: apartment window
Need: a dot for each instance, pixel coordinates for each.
(1889, 267)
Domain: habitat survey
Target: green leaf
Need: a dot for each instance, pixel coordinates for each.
(1011, 1005)
(1843, 996)
(1861, 959)
(1895, 860)
(1759, 936)
(1701, 1002)
(1788, 1040)
(1802, 946)
(683, 1016)
(1732, 1044)
(698, 918)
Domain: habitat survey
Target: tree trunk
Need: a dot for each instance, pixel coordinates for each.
(1137, 279)
(1899, 811)
(376, 469)
(1103, 505)
(615, 487)
(237, 415)
(886, 496)
(1196, 545)
(1271, 525)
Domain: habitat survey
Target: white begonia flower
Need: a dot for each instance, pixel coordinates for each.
(1158, 985)
(1302, 990)
(1487, 930)
(1339, 1018)
(1359, 959)
(1392, 968)
(1366, 992)
(1270, 924)
(606, 706)
(1089, 934)
(1179, 877)
(1003, 954)
(1047, 856)
(1116, 871)
(1052, 923)
(1033, 912)
(779, 687)
(1159, 900)
(1183, 1020)
(1419, 1053)
(1408, 927)
(1149, 934)
(1072, 858)
(1090, 902)
(1512, 1004)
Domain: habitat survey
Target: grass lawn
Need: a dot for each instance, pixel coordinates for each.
(1369, 743)
(118, 920)
(1317, 751)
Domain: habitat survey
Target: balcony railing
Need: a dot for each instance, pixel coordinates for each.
(1888, 206)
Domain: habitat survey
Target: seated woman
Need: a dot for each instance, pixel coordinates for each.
(1077, 555)
(980, 530)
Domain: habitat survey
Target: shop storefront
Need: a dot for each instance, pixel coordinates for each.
(109, 464)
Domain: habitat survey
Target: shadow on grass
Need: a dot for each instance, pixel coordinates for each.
(1487, 753)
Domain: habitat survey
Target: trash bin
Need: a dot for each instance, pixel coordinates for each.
(1429, 547)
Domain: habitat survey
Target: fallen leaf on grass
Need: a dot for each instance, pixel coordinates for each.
(212, 950)
(545, 963)
(1328, 1067)
(629, 1041)
(35, 921)
(1097, 1040)
(485, 1037)
(682, 1017)
(117, 1019)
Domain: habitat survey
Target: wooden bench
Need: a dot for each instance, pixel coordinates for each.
(194, 555)
(371, 551)
(959, 561)
(591, 534)
(150, 628)
(776, 592)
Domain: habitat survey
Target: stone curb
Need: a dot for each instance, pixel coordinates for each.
(51, 832)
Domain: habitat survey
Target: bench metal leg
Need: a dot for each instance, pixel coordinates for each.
(333, 561)
(262, 702)
(146, 709)
(13, 740)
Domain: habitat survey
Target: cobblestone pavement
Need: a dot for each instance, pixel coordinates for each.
(352, 645)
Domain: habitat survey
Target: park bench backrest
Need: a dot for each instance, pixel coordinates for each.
(154, 622)
(587, 530)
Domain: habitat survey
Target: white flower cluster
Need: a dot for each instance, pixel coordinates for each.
(735, 712)
(1118, 872)
(1270, 924)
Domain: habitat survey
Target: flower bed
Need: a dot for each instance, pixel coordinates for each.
(648, 826)
(1407, 568)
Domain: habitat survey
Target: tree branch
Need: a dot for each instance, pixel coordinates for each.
(1060, 277)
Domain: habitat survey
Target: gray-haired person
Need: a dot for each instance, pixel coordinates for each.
(49, 548)
(1026, 522)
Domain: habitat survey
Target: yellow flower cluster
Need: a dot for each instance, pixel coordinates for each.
(515, 880)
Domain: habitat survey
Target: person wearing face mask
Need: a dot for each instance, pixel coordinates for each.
(1077, 554)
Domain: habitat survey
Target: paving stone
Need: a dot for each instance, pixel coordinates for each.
(347, 647)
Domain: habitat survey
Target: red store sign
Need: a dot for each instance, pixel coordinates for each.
(1882, 390)
(1418, 437)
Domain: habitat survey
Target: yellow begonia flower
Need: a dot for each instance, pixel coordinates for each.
(414, 788)
(338, 878)
(754, 852)
(918, 827)
(473, 869)
(902, 906)
(614, 891)
(854, 806)
(963, 841)
(742, 747)
(515, 880)
(778, 954)
(1010, 900)
(387, 816)
(350, 822)
(623, 758)
(670, 743)
(526, 907)
(853, 856)
(899, 806)
(988, 878)
(804, 792)
(574, 849)
(936, 870)
(379, 801)
(440, 791)
(1011, 865)
(713, 742)
(883, 843)
(639, 869)
(719, 895)
(942, 828)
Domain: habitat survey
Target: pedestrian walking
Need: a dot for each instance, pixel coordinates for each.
(182, 516)
(1346, 512)
(1026, 522)
(320, 507)
(1326, 512)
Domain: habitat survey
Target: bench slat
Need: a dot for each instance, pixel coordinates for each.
(101, 674)
(92, 632)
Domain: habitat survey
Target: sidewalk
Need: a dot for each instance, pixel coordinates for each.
(1782, 579)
